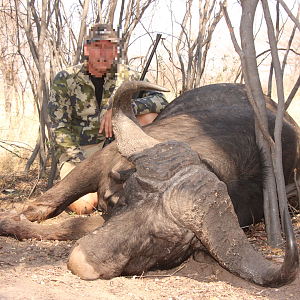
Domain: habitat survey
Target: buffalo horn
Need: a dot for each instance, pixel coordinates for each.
(131, 139)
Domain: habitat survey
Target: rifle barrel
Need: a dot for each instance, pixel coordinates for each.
(158, 37)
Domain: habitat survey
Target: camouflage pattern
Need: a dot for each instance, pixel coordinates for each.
(74, 111)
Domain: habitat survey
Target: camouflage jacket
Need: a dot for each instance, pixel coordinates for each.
(74, 112)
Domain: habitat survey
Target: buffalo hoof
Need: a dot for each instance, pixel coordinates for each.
(78, 265)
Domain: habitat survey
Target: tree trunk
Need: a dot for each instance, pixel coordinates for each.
(253, 85)
(82, 32)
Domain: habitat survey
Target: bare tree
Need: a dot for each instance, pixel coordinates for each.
(82, 31)
(8, 59)
(196, 49)
(134, 12)
(275, 186)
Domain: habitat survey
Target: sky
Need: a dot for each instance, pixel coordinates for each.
(163, 23)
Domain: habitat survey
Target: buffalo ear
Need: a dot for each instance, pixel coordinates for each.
(122, 170)
(122, 175)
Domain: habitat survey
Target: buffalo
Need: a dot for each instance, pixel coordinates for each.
(187, 182)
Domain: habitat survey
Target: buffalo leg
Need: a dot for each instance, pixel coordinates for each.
(80, 181)
(70, 229)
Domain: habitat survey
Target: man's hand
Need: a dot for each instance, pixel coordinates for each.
(106, 124)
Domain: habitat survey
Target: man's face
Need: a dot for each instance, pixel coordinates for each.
(101, 56)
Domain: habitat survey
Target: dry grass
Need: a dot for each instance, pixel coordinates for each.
(18, 135)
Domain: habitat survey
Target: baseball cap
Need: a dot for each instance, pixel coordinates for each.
(100, 31)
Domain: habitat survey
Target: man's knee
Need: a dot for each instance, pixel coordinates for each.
(66, 168)
(85, 204)
(146, 118)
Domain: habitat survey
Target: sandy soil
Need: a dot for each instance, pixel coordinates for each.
(37, 269)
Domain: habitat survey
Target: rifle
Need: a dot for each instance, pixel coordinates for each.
(140, 93)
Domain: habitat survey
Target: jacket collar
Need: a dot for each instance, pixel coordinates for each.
(81, 74)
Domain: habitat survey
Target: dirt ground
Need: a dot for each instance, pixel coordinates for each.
(34, 269)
